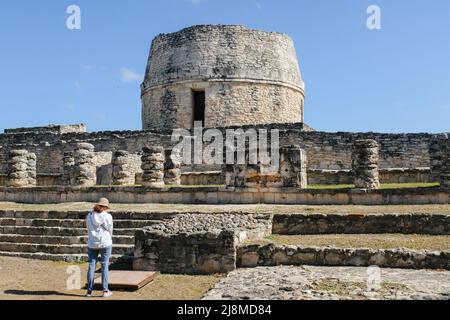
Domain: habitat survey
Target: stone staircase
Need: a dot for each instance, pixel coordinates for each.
(62, 236)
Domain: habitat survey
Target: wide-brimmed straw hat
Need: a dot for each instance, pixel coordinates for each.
(103, 202)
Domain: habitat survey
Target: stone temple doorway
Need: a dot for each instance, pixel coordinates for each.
(199, 106)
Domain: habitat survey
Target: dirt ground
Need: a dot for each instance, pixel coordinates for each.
(23, 279)
(170, 208)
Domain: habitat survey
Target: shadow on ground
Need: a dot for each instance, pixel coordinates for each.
(41, 293)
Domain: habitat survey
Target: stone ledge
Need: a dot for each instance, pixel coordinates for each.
(292, 224)
(273, 255)
(222, 195)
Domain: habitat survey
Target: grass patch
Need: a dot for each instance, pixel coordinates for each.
(382, 186)
(372, 241)
(337, 286)
(344, 288)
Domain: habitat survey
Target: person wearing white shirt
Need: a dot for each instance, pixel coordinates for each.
(100, 230)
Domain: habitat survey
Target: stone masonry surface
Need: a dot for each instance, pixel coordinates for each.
(248, 76)
(196, 244)
(330, 283)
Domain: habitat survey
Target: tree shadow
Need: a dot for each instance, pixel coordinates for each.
(41, 293)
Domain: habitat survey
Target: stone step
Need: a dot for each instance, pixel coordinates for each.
(82, 215)
(73, 258)
(69, 223)
(58, 231)
(119, 249)
(61, 240)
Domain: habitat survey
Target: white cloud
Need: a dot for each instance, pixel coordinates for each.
(77, 85)
(129, 75)
(258, 6)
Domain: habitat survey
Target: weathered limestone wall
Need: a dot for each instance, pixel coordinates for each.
(123, 172)
(21, 169)
(365, 164)
(293, 167)
(197, 244)
(294, 224)
(153, 167)
(248, 76)
(391, 175)
(222, 195)
(172, 167)
(84, 166)
(324, 150)
(445, 166)
(272, 255)
(55, 129)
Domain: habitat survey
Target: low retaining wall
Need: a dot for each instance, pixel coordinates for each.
(203, 178)
(197, 244)
(315, 176)
(392, 175)
(272, 255)
(292, 224)
(228, 195)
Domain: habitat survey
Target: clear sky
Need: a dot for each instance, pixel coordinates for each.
(396, 79)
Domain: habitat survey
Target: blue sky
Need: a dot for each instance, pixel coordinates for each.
(396, 79)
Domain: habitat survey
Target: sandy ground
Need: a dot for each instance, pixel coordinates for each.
(23, 279)
(83, 206)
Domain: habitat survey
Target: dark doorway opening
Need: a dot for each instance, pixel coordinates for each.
(199, 106)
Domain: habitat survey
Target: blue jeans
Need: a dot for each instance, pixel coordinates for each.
(105, 255)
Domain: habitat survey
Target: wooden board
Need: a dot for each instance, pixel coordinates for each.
(127, 280)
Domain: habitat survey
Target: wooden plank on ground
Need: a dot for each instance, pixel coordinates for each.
(127, 280)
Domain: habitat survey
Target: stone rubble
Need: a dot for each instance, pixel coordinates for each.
(191, 223)
(365, 164)
(68, 169)
(293, 167)
(436, 152)
(84, 168)
(121, 169)
(153, 159)
(31, 169)
(172, 167)
(445, 168)
(21, 169)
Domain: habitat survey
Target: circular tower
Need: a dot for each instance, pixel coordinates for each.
(221, 75)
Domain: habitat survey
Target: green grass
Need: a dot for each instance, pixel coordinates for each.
(383, 186)
(372, 241)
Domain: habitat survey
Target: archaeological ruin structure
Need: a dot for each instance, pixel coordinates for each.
(222, 78)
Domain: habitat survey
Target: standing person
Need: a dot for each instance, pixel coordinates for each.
(100, 228)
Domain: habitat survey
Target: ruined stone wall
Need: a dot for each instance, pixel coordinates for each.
(325, 150)
(56, 129)
(197, 243)
(248, 76)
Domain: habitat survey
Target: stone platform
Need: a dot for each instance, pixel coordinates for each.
(331, 283)
(227, 195)
(127, 280)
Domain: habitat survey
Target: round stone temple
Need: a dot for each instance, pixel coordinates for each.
(221, 75)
